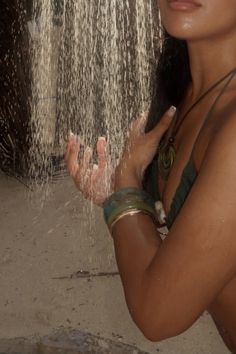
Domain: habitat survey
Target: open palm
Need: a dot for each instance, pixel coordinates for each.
(95, 182)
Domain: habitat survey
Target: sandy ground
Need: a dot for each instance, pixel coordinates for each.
(42, 251)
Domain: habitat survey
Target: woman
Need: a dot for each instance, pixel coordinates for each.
(170, 282)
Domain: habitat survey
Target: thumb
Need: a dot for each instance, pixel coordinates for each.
(164, 124)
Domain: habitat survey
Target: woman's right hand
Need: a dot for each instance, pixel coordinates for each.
(96, 182)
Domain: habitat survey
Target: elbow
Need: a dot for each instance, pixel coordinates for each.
(160, 318)
(157, 334)
(158, 325)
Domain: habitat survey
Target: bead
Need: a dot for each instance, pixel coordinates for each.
(161, 215)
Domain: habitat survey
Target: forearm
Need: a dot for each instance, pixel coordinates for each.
(136, 242)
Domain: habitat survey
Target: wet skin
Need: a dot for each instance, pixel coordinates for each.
(223, 308)
(201, 243)
(168, 285)
(206, 38)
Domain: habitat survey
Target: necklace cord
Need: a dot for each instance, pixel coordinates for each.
(201, 97)
(166, 152)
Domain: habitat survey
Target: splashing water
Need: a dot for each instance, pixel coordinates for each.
(14, 88)
(93, 70)
(93, 66)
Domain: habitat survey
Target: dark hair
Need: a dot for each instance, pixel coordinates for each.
(172, 80)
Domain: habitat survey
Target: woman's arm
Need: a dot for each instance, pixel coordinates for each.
(168, 285)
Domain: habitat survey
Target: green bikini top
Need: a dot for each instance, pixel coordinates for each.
(188, 176)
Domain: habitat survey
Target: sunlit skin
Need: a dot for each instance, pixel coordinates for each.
(169, 284)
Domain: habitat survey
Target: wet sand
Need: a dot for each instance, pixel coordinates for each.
(57, 274)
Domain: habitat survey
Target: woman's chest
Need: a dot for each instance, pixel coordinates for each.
(191, 141)
(190, 145)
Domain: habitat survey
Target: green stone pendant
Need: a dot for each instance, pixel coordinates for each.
(165, 159)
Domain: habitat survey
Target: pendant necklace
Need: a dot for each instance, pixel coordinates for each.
(166, 151)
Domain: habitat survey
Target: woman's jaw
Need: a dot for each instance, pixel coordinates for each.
(198, 19)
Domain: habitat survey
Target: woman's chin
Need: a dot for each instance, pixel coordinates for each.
(185, 32)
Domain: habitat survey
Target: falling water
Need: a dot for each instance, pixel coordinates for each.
(93, 68)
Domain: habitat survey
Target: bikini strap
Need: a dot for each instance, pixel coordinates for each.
(151, 182)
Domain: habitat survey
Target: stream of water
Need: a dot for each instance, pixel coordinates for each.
(93, 68)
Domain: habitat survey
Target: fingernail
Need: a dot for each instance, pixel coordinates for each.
(72, 136)
(88, 150)
(95, 166)
(144, 115)
(102, 138)
(171, 111)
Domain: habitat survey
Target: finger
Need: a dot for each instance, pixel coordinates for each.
(94, 174)
(85, 162)
(142, 122)
(99, 190)
(137, 127)
(83, 169)
(163, 125)
(72, 158)
(71, 142)
(86, 185)
(102, 153)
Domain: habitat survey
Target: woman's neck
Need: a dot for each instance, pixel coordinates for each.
(210, 60)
